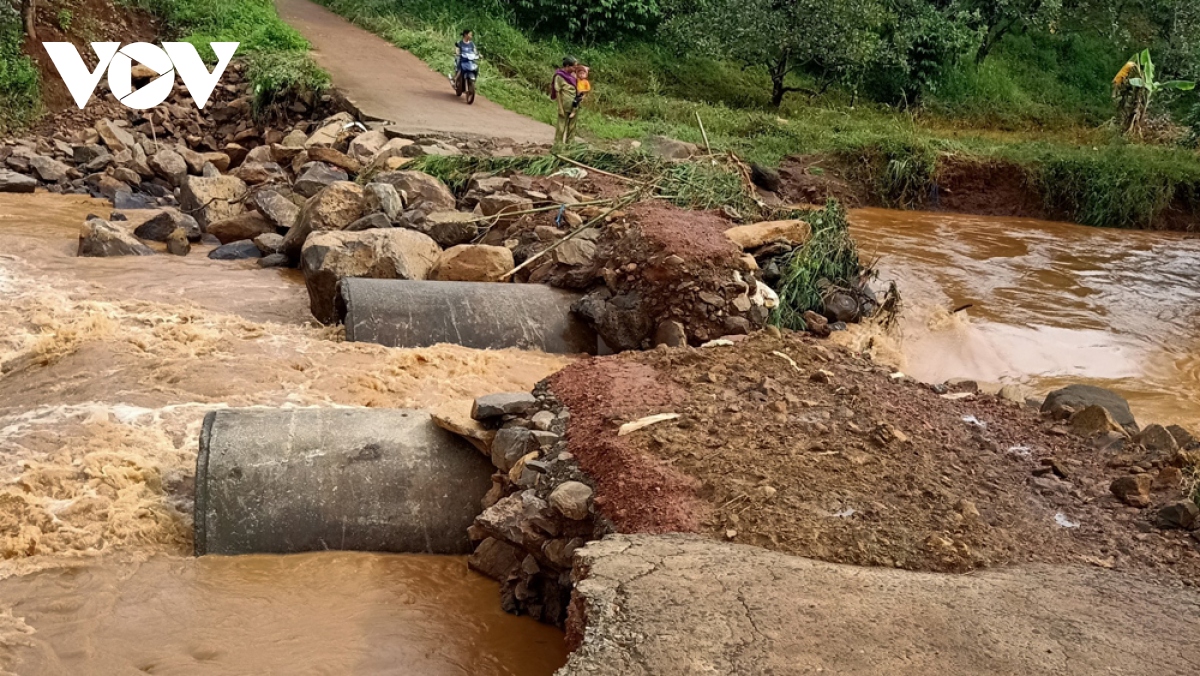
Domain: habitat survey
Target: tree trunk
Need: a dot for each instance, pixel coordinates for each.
(778, 72)
(28, 17)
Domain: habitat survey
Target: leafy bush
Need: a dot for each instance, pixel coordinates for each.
(587, 20)
(19, 90)
(830, 256)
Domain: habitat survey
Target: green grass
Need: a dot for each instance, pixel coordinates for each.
(279, 64)
(691, 185)
(20, 98)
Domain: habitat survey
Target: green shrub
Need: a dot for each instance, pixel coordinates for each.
(20, 98)
(829, 256)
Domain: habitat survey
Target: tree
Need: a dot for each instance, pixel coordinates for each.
(1134, 88)
(832, 40)
(997, 18)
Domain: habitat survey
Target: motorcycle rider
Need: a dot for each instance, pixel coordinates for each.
(463, 48)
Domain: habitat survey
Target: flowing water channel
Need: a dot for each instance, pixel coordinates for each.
(1050, 304)
(107, 367)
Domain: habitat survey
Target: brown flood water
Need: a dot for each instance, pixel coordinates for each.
(107, 368)
(1052, 304)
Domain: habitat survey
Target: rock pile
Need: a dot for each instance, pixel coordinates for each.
(540, 509)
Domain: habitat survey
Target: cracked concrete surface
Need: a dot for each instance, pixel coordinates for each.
(685, 605)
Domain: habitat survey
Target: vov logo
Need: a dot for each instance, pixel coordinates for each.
(172, 57)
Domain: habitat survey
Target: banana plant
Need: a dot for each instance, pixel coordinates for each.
(1135, 87)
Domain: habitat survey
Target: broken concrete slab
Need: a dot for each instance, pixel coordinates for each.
(678, 604)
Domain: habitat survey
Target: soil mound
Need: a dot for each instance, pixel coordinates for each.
(790, 445)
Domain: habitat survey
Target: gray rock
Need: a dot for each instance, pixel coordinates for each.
(572, 500)
(1182, 514)
(365, 146)
(14, 182)
(510, 445)
(99, 238)
(115, 137)
(127, 199)
(451, 228)
(671, 334)
(276, 208)
(269, 243)
(1079, 397)
(275, 260)
(235, 251)
(48, 169)
(503, 403)
(424, 191)
(542, 420)
(98, 164)
(83, 154)
(374, 221)
(167, 221)
(315, 176)
(169, 165)
(384, 198)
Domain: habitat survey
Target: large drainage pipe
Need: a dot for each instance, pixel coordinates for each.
(384, 480)
(486, 316)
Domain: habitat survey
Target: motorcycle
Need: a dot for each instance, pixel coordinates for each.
(468, 72)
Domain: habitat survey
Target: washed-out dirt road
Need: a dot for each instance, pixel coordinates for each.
(387, 83)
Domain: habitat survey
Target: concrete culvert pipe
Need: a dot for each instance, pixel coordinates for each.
(384, 480)
(482, 315)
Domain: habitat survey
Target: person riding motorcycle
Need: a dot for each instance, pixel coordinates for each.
(464, 48)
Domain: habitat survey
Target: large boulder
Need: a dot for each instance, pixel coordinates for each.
(451, 228)
(334, 208)
(116, 138)
(1078, 397)
(99, 238)
(314, 176)
(276, 208)
(384, 198)
(424, 191)
(13, 182)
(170, 165)
(365, 146)
(392, 253)
(212, 199)
(504, 206)
(473, 263)
(48, 169)
(246, 225)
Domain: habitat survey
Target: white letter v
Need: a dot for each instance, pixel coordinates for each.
(73, 70)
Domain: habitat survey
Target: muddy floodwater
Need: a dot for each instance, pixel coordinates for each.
(107, 368)
(1051, 304)
(328, 613)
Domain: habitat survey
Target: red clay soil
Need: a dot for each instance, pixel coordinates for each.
(693, 235)
(90, 21)
(987, 189)
(638, 492)
(852, 467)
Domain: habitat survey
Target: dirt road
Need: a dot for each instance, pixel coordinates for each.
(387, 83)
